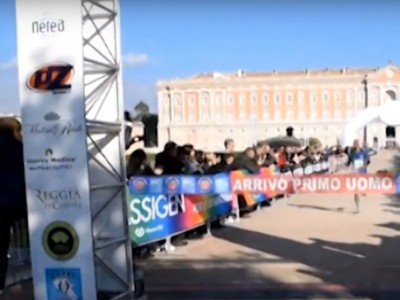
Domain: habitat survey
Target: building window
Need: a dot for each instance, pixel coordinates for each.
(361, 96)
(205, 98)
(289, 98)
(218, 98)
(350, 113)
(229, 116)
(191, 100)
(266, 130)
(253, 99)
(265, 115)
(192, 116)
(325, 97)
(313, 115)
(313, 99)
(277, 114)
(253, 115)
(326, 128)
(338, 98)
(178, 100)
(205, 116)
(242, 99)
(350, 96)
(277, 98)
(166, 101)
(266, 99)
(301, 129)
(278, 130)
(301, 97)
(178, 118)
(375, 96)
(230, 99)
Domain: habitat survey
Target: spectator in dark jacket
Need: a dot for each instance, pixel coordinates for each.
(168, 161)
(246, 161)
(138, 164)
(12, 186)
(309, 158)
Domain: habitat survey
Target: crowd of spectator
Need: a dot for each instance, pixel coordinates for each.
(186, 159)
(173, 160)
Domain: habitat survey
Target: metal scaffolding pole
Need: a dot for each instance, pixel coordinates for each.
(106, 147)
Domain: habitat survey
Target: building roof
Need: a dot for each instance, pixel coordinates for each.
(300, 73)
(309, 73)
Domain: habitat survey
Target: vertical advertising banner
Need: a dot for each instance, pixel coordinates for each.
(51, 88)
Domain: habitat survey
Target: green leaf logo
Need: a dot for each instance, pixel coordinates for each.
(48, 152)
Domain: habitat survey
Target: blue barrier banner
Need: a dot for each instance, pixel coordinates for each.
(203, 184)
(154, 217)
(182, 184)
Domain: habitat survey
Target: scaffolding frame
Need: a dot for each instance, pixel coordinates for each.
(106, 148)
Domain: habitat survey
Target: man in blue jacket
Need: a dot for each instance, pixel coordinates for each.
(358, 162)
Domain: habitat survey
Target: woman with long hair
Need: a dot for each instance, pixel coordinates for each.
(138, 165)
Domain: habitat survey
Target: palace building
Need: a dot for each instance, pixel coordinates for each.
(248, 106)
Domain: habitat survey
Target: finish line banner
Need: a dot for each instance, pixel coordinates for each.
(267, 184)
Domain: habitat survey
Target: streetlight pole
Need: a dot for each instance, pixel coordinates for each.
(366, 104)
(168, 89)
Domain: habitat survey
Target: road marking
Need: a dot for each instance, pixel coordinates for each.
(343, 252)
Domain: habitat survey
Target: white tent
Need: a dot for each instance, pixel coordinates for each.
(389, 114)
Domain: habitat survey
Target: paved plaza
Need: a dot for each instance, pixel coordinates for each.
(305, 247)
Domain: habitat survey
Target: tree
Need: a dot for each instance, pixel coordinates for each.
(314, 142)
(140, 109)
(150, 122)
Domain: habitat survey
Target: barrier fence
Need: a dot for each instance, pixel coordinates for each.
(165, 206)
(161, 207)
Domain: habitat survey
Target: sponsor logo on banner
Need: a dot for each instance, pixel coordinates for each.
(53, 126)
(60, 241)
(205, 184)
(48, 26)
(50, 161)
(55, 78)
(140, 232)
(64, 284)
(221, 184)
(139, 183)
(149, 208)
(172, 185)
(154, 217)
(59, 199)
(188, 183)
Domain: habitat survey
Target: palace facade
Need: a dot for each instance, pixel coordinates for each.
(248, 106)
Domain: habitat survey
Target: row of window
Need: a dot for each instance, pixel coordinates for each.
(206, 100)
(289, 116)
(325, 129)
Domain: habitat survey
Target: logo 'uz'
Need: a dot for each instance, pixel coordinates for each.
(55, 78)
